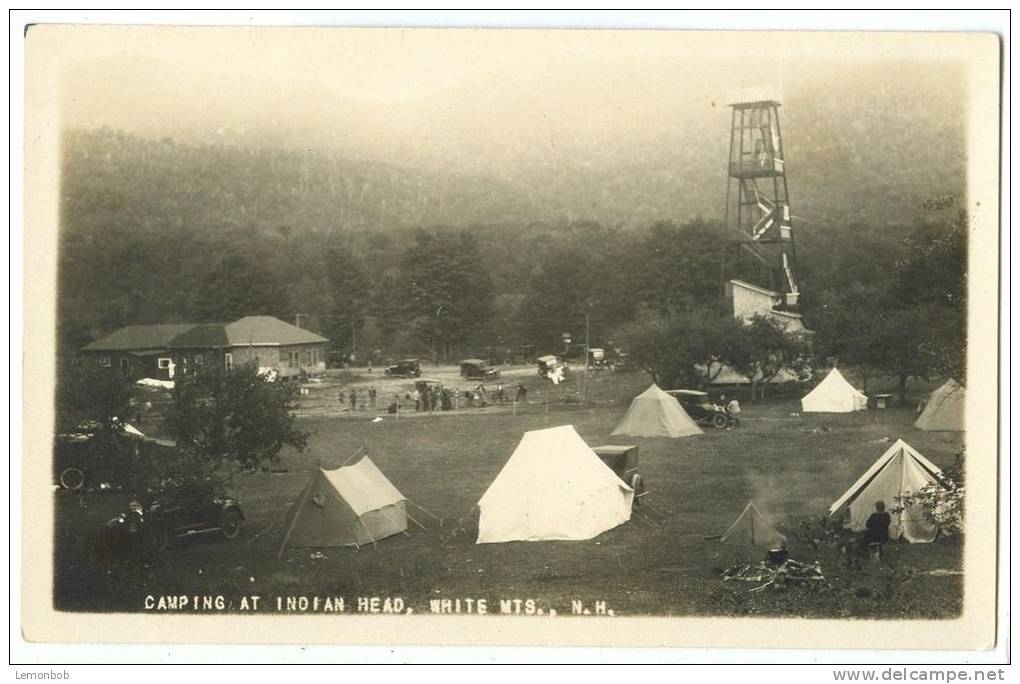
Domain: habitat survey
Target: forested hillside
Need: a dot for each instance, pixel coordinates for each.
(163, 230)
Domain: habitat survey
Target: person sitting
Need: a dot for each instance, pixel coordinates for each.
(733, 409)
(876, 528)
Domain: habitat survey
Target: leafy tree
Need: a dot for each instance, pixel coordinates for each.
(681, 265)
(236, 416)
(350, 296)
(449, 293)
(913, 342)
(659, 345)
(712, 335)
(846, 333)
(588, 274)
(942, 501)
(762, 349)
(932, 265)
(238, 286)
(87, 393)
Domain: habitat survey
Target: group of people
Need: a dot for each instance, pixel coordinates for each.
(353, 397)
(430, 397)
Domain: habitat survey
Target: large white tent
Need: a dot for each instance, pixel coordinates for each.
(553, 487)
(944, 409)
(900, 471)
(834, 395)
(653, 413)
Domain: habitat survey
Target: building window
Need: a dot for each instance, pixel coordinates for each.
(199, 360)
(292, 360)
(104, 361)
(125, 365)
(228, 360)
(163, 363)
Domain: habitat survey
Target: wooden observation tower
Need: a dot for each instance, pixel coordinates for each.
(757, 197)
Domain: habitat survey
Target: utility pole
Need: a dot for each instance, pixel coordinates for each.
(587, 352)
(354, 338)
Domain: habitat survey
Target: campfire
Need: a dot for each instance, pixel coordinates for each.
(776, 571)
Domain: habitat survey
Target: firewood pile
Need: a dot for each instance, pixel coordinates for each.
(785, 574)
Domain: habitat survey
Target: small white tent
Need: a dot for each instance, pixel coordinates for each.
(900, 471)
(347, 506)
(553, 487)
(653, 413)
(944, 409)
(834, 395)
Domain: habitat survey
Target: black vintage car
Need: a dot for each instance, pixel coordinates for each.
(623, 460)
(192, 508)
(94, 457)
(476, 369)
(701, 409)
(405, 368)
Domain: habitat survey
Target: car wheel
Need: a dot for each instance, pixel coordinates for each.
(720, 420)
(72, 479)
(637, 483)
(231, 525)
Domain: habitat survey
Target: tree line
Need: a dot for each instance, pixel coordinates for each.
(163, 232)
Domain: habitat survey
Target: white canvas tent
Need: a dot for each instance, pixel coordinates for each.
(900, 471)
(752, 528)
(347, 506)
(944, 409)
(834, 395)
(553, 487)
(653, 413)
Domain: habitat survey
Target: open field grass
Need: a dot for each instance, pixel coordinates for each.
(659, 563)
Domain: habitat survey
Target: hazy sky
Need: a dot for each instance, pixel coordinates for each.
(459, 98)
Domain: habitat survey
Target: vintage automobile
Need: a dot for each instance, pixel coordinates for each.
(549, 363)
(405, 368)
(196, 507)
(93, 457)
(476, 369)
(701, 409)
(623, 460)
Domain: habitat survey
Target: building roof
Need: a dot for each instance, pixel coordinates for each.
(137, 337)
(203, 336)
(268, 330)
(250, 330)
(755, 288)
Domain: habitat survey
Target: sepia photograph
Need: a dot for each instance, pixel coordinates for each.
(510, 336)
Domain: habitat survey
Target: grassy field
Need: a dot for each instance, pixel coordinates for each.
(792, 466)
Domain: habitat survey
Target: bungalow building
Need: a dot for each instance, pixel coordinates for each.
(162, 351)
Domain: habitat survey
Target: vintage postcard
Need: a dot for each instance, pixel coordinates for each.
(548, 337)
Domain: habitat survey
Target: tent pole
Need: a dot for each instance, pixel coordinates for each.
(360, 449)
(300, 504)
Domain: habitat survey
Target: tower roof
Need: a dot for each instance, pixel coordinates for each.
(745, 97)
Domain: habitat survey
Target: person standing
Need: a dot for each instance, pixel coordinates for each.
(876, 530)
(354, 399)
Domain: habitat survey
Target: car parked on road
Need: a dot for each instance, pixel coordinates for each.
(405, 368)
(476, 369)
(701, 408)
